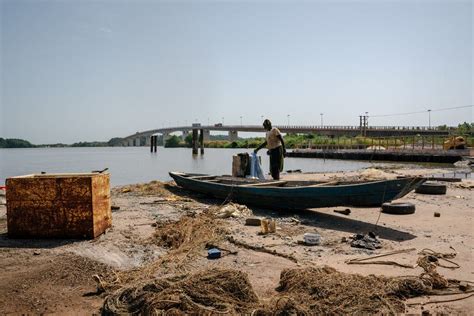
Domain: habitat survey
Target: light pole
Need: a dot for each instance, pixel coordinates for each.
(222, 120)
(207, 121)
(321, 118)
(261, 116)
(241, 120)
(429, 118)
(288, 117)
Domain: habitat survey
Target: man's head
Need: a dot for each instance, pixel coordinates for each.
(267, 124)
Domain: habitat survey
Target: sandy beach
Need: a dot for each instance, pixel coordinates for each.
(63, 276)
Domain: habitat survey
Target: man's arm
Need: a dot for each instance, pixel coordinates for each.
(282, 144)
(260, 147)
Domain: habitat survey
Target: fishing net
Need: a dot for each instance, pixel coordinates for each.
(323, 290)
(190, 233)
(151, 188)
(216, 291)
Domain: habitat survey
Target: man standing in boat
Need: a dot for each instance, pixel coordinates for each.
(276, 148)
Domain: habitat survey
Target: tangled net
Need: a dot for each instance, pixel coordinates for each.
(190, 234)
(323, 290)
(155, 188)
(208, 292)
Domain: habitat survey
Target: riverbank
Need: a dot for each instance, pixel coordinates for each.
(61, 276)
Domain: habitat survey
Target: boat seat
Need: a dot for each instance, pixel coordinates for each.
(263, 184)
(202, 177)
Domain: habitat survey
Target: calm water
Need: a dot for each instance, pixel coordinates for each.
(136, 164)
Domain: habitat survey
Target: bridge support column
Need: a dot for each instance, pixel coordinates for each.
(165, 137)
(195, 142)
(233, 136)
(148, 140)
(201, 141)
(184, 135)
(130, 142)
(153, 143)
(207, 135)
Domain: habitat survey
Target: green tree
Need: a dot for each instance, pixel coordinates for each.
(172, 141)
(188, 140)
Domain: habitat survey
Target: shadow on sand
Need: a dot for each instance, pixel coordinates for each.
(310, 217)
(334, 222)
(6, 242)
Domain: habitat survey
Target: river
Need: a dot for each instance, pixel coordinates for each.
(136, 164)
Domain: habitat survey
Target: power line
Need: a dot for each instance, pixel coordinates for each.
(418, 112)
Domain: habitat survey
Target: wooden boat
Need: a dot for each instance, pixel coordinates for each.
(297, 194)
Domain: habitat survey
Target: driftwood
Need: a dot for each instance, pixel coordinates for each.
(260, 249)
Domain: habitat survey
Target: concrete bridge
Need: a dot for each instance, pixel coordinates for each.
(144, 138)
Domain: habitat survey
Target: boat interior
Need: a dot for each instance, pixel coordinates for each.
(250, 182)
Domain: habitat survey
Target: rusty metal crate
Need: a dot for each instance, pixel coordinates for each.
(58, 205)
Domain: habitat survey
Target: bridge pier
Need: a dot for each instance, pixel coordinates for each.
(184, 135)
(148, 140)
(233, 136)
(153, 143)
(195, 142)
(207, 135)
(201, 141)
(165, 137)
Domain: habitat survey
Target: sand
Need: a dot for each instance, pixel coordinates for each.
(56, 276)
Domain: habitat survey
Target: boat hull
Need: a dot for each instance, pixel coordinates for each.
(367, 194)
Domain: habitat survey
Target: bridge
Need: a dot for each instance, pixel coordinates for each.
(145, 138)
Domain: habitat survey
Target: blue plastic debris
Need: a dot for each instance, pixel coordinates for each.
(213, 253)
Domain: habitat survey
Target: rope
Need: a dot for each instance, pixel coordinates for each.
(363, 260)
(442, 301)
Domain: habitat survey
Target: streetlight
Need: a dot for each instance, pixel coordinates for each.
(321, 118)
(222, 120)
(207, 121)
(261, 116)
(429, 118)
(241, 120)
(288, 117)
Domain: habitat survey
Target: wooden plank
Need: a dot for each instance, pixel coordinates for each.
(202, 177)
(263, 184)
(323, 184)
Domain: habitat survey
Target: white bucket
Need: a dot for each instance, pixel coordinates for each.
(312, 238)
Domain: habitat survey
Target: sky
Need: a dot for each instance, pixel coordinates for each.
(91, 70)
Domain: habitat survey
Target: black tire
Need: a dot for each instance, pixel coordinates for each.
(398, 208)
(431, 188)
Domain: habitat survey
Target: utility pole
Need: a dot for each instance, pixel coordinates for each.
(429, 118)
(364, 123)
(241, 120)
(288, 117)
(321, 119)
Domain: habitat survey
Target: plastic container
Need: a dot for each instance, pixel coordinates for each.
(213, 253)
(312, 238)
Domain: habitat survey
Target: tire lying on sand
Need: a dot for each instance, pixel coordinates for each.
(431, 188)
(398, 208)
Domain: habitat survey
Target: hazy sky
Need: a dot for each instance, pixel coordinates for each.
(92, 70)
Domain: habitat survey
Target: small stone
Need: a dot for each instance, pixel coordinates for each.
(436, 214)
(37, 253)
(425, 313)
(115, 208)
(343, 239)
